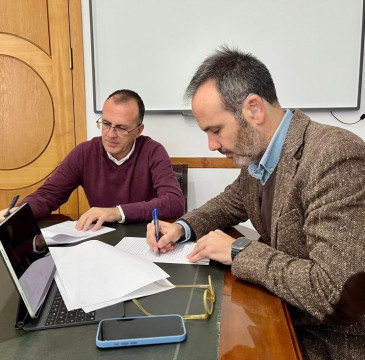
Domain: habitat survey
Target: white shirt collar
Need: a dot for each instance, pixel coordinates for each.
(121, 161)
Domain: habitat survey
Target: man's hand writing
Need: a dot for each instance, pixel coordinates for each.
(4, 211)
(170, 233)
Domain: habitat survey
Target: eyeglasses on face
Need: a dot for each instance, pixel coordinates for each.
(119, 130)
(208, 299)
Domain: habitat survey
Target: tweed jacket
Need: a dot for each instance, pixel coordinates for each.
(314, 257)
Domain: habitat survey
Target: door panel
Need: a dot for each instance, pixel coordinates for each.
(21, 124)
(33, 24)
(36, 96)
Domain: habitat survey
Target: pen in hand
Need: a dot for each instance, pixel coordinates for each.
(155, 222)
(12, 204)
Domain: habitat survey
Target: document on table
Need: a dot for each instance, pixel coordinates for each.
(66, 233)
(139, 247)
(92, 275)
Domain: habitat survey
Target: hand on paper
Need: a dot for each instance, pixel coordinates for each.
(170, 233)
(216, 245)
(98, 215)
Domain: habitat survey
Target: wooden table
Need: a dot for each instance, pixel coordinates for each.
(255, 324)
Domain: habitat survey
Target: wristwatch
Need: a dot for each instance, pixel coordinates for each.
(238, 245)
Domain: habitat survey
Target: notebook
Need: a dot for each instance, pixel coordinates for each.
(31, 267)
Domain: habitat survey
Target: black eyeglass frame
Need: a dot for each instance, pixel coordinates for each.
(118, 130)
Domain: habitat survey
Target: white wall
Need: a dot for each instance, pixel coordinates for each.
(182, 137)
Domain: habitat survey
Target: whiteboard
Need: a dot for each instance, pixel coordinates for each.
(313, 48)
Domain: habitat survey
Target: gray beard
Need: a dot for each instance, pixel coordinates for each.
(250, 146)
(244, 160)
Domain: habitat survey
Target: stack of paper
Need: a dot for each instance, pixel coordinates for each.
(139, 247)
(93, 275)
(66, 233)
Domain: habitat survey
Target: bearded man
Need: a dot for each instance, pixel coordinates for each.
(302, 187)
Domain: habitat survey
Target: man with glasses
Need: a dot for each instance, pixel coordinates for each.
(302, 185)
(124, 174)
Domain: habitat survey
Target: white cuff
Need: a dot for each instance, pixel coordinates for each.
(122, 215)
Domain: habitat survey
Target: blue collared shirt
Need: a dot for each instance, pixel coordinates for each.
(187, 231)
(270, 159)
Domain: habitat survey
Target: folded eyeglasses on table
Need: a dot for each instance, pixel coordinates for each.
(208, 299)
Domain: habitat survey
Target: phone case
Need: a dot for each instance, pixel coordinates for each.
(142, 340)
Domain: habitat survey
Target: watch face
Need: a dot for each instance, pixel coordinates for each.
(240, 243)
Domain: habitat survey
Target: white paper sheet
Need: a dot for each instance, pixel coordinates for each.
(93, 273)
(154, 288)
(66, 233)
(139, 247)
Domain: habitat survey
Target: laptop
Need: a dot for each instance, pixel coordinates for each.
(31, 268)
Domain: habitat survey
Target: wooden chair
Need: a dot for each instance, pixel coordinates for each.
(181, 171)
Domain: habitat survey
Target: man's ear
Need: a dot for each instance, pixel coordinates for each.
(140, 129)
(253, 108)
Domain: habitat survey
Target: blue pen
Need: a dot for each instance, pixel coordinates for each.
(155, 222)
(12, 204)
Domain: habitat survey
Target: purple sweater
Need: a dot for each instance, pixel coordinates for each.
(144, 182)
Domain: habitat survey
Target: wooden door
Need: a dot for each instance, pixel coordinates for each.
(37, 118)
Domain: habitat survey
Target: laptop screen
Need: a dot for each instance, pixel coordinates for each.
(27, 257)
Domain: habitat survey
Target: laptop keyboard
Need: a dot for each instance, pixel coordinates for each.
(59, 315)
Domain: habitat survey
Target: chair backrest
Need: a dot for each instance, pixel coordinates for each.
(181, 171)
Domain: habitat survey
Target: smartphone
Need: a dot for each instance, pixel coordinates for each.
(142, 330)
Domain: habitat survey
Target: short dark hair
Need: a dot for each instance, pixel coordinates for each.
(124, 95)
(237, 75)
